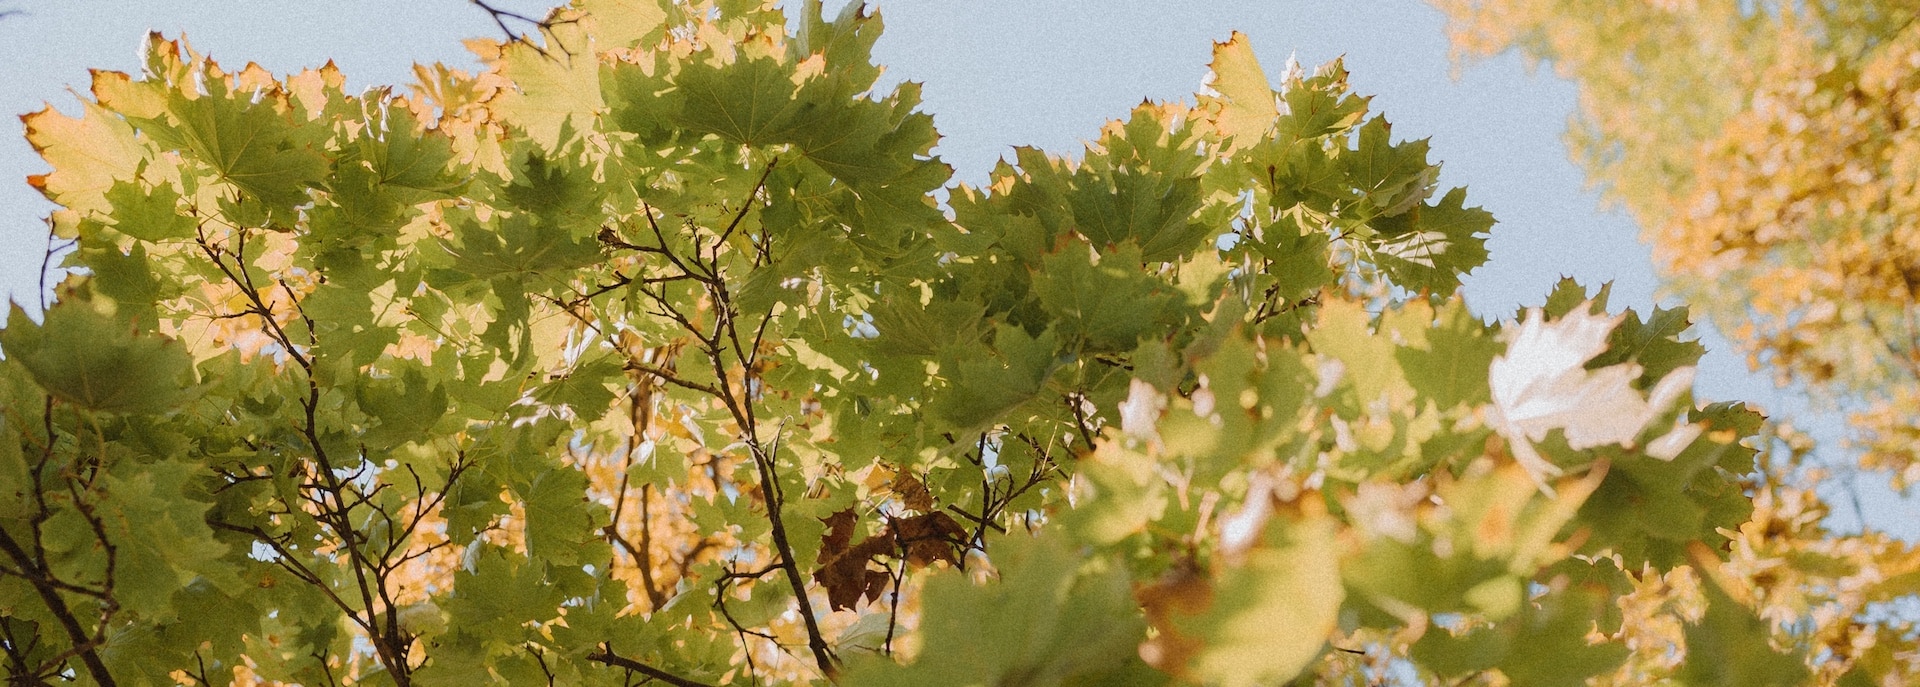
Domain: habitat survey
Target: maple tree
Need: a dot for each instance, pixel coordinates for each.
(652, 353)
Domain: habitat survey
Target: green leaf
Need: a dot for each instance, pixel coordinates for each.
(391, 167)
(1142, 183)
(1391, 179)
(640, 101)
(97, 361)
(517, 246)
(1049, 617)
(252, 144)
(1368, 361)
(1319, 105)
(1655, 344)
(494, 595)
(150, 215)
(15, 476)
(127, 278)
(1651, 510)
(749, 101)
(868, 145)
(559, 519)
(1451, 368)
(1124, 494)
(1568, 294)
(982, 387)
(405, 407)
(911, 329)
(1300, 261)
(1730, 647)
(556, 188)
(1545, 644)
(1436, 245)
(846, 42)
(585, 388)
(1104, 303)
(161, 537)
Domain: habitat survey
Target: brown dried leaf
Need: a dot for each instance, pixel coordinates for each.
(839, 535)
(912, 492)
(845, 579)
(931, 537)
(877, 582)
(845, 571)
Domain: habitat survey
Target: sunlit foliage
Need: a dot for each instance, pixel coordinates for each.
(656, 352)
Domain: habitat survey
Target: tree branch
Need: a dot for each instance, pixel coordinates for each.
(669, 378)
(83, 644)
(606, 656)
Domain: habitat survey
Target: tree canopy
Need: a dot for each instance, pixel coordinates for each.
(662, 350)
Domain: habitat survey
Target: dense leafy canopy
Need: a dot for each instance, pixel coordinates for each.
(652, 353)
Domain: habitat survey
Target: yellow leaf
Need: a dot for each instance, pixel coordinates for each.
(552, 88)
(621, 23)
(1292, 583)
(1245, 109)
(87, 154)
(119, 92)
(1262, 618)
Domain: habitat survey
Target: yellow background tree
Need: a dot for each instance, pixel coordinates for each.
(1770, 153)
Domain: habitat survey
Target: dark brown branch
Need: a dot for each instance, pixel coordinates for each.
(333, 500)
(284, 557)
(57, 584)
(1076, 401)
(645, 559)
(956, 510)
(606, 656)
(501, 18)
(53, 248)
(84, 645)
(725, 334)
(710, 278)
(669, 378)
(748, 203)
(17, 652)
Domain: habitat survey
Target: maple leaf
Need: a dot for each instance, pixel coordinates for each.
(99, 361)
(912, 492)
(843, 569)
(1541, 384)
(88, 154)
(1244, 108)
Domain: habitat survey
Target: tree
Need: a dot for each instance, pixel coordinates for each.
(649, 353)
(1765, 147)
(1765, 150)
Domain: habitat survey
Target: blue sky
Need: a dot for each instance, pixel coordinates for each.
(996, 74)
